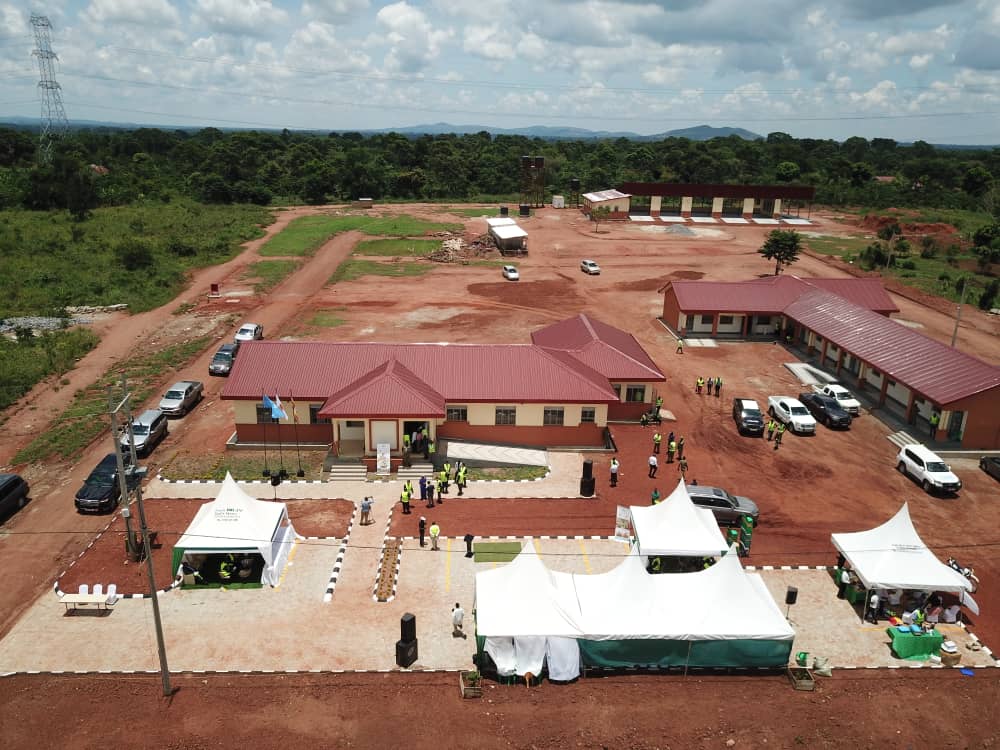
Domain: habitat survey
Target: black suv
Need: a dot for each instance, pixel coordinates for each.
(748, 416)
(222, 362)
(100, 491)
(826, 409)
(13, 493)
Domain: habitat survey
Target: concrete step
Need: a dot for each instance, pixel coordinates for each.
(347, 473)
(901, 438)
(415, 471)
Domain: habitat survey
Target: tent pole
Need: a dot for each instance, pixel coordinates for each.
(688, 660)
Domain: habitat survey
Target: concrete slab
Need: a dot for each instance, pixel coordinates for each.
(734, 220)
(641, 218)
(500, 454)
(703, 220)
(796, 222)
(765, 222)
(673, 219)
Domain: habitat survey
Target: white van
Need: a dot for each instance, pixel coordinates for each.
(927, 468)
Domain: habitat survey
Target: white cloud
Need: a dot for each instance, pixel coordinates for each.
(334, 10)
(138, 12)
(413, 40)
(920, 62)
(918, 42)
(249, 17)
(877, 97)
(491, 42)
(317, 41)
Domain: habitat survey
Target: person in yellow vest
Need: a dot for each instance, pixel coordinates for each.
(657, 439)
(406, 443)
(404, 499)
(680, 346)
(699, 384)
(671, 450)
(227, 568)
(935, 420)
(439, 484)
(435, 533)
(429, 449)
(408, 486)
(443, 479)
(779, 433)
(462, 473)
(446, 475)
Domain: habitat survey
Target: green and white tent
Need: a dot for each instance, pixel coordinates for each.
(237, 523)
(719, 617)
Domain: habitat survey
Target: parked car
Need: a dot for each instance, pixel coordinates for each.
(748, 416)
(510, 273)
(826, 409)
(590, 267)
(222, 362)
(728, 509)
(181, 398)
(792, 412)
(100, 491)
(148, 429)
(926, 468)
(13, 493)
(250, 332)
(843, 396)
(991, 465)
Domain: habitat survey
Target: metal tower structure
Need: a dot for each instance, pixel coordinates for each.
(54, 121)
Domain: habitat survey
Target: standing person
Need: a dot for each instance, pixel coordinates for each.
(845, 581)
(935, 420)
(873, 603)
(423, 528)
(682, 467)
(671, 450)
(435, 533)
(462, 473)
(429, 450)
(366, 511)
(423, 488)
(654, 498)
(440, 489)
(680, 346)
(771, 427)
(657, 439)
(653, 466)
(644, 419)
(443, 481)
(659, 403)
(446, 475)
(614, 472)
(680, 447)
(457, 616)
(718, 386)
(699, 384)
(408, 486)
(404, 499)
(778, 434)
(406, 442)
(670, 437)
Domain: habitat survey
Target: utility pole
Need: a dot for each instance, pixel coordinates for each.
(54, 123)
(133, 553)
(144, 530)
(958, 312)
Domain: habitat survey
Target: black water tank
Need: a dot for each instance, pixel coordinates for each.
(574, 184)
(539, 162)
(588, 469)
(503, 210)
(525, 209)
(791, 595)
(408, 627)
(406, 653)
(526, 162)
(587, 487)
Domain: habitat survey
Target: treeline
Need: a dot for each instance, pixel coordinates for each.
(93, 168)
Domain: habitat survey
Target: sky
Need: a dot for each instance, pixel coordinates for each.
(901, 69)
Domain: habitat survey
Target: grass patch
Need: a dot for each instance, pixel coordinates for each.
(495, 551)
(24, 363)
(508, 472)
(269, 273)
(245, 466)
(303, 236)
(474, 213)
(836, 245)
(86, 417)
(963, 220)
(397, 247)
(355, 269)
(327, 318)
(138, 255)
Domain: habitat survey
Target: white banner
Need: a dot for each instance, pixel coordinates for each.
(623, 525)
(382, 463)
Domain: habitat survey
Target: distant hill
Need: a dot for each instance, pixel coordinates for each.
(698, 133)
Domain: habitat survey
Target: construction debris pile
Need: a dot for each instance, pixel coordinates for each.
(457, 250)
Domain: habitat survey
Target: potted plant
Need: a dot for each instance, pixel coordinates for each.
(471, 684)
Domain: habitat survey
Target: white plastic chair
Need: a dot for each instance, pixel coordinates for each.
(84, 589)
(112, 593)
(98, 589)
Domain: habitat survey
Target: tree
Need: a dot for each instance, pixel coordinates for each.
(976, 181)
(989, 295)
(783, 247)
(787, 171)
(599, 214)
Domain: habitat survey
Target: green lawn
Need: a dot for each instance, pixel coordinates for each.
(269, 273)
(508, 472)
(474, 213)
(327, 318)
(303, 236)
(26, 362)
(397, 247)
(355, 269)
(836, 245)
(244, 465)
(138, 255)
(964, 221)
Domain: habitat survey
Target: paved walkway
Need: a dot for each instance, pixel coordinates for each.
(500, 454)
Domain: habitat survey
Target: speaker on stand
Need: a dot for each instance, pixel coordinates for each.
(791, 595)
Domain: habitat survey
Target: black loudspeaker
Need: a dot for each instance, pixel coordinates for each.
(588, 469)
(503, 210)
(791, 595)
(408, 628)
(587, 487)
(406, 653)
(524, 209)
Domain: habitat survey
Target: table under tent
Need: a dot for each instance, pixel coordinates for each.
(235, 539)
(529, 618)
(677, 532)
(894, 557)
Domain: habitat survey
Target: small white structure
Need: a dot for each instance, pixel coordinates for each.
(558, 201)
(508, 236)
(615, 201)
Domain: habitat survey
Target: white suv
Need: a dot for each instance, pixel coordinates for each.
(793, 413)
(933, 474)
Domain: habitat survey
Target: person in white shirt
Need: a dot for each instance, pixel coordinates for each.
(457, 617)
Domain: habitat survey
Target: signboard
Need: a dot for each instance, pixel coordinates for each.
(382, 463)
(623, 525)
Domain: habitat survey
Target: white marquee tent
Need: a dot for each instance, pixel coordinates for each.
(236, 523)
(893, 556)
(677, 527)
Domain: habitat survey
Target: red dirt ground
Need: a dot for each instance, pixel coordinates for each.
(898, 709)
(106, 562)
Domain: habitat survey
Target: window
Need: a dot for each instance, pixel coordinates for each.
(552, 416)
(314, 417)
(706, 320)
(506, 415)
(618, 390)
(588, 414)
(457, 413)
(725, 320)
(354, 423)
(763, 320)
(264, 415)
(635, 393)
(875, 373)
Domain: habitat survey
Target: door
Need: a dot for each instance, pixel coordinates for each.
(385, 431)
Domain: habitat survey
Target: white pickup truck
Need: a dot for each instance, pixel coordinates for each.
(792, 412)
(847, 402)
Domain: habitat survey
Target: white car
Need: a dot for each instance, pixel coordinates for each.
(792, 412)
(933, 474)
(847, 402)
(510, 273)
(250, 332)
(590, 267)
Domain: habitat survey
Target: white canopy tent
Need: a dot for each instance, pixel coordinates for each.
(893, 556)
(234, 523)
(677, 527)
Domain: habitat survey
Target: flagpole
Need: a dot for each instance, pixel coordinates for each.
(295, 430)
(282, 474)
(267, 471)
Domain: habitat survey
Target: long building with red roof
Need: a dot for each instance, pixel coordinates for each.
(561, 389)
(844, 325)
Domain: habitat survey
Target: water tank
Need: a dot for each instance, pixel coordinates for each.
(525, 209)
(539, 162)
(526, 162)
(574, 184)
(503, 210)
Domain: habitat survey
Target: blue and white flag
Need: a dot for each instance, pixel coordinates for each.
(276, 411)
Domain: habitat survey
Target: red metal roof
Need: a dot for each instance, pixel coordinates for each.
(388, 390)
(517, 373)
(937, 371)
(773, 294)
(801, 192)
(610, 351)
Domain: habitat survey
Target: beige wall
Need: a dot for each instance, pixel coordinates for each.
(532, 415)
(655, 202)
(686, 202)
(777, 206)
(748, 205)
(245, 412)
(717, 204)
